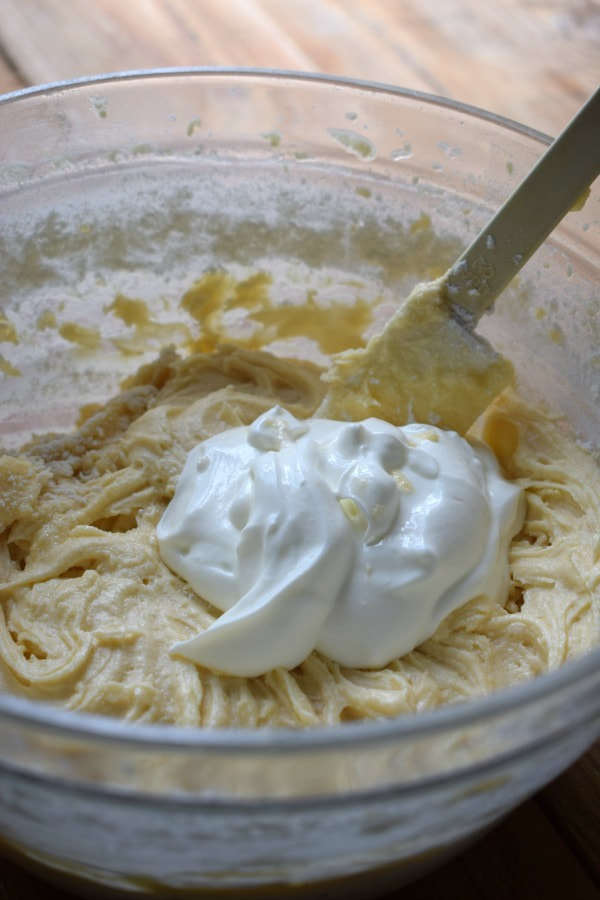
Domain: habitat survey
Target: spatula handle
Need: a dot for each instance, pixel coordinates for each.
(555, 184)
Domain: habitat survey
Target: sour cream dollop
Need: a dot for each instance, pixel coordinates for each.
(354, 539)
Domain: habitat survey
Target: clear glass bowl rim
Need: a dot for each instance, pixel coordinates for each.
(411, 726)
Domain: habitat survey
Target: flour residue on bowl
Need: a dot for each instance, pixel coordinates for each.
(356, 143)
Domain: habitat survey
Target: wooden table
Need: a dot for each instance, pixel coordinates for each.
(531, 60)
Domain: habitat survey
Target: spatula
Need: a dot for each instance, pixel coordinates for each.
(428, 364)
(557, 182)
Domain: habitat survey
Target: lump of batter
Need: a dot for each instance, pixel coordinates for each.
(89, 612)
(423, 367)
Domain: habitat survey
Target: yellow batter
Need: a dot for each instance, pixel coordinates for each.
(422, 367)
(88, 611)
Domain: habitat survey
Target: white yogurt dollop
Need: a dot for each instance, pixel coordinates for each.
(355, 539)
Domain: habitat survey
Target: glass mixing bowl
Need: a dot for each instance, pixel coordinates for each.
(138, 184)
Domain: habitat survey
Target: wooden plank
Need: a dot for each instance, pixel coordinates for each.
(59, 39)
(534, 62)
(339, 41)
(9, 79)
(525, 857)
(17, 884)
(51, 40)
(572, 803)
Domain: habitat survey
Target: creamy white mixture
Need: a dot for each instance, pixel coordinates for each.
(354, 539)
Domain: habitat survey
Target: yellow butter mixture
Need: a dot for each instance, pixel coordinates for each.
(89, 612)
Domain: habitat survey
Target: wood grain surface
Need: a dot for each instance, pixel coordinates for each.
(531, 60)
